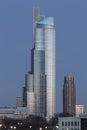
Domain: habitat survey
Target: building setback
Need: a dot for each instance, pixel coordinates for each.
(69, 95)
(40, 81)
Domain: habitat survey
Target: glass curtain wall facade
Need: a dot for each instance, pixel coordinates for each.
(41, 87)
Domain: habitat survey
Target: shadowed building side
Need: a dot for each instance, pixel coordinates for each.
(69, 96)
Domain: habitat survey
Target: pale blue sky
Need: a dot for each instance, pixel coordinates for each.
(16, 42)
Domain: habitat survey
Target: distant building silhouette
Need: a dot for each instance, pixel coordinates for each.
(69, 95)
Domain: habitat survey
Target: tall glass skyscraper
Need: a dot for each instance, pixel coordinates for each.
(40, 82)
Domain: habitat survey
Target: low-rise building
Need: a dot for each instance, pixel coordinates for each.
(19, 102)
(83, 119)
(69, 123)
(14, 113)
(79, 109)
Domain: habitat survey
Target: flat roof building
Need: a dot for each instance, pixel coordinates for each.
(69, 123)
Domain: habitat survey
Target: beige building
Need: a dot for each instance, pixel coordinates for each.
(19, 102)
(79, 109)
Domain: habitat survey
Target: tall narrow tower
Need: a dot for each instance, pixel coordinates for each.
(40, 81)
(69, 95)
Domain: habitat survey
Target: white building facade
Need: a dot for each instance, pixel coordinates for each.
(69, 123)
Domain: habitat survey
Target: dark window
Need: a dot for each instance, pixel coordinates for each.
(62, 123)
(68, 123)
(75, 123)
(65, 123)
(71, 123)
